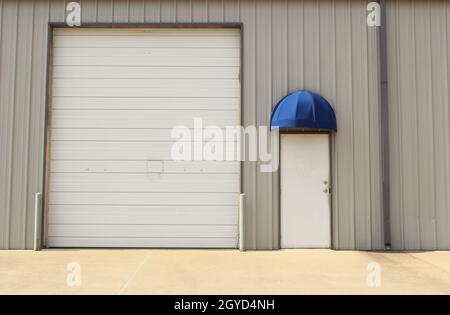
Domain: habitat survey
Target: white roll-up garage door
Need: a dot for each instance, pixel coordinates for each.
(116, 95)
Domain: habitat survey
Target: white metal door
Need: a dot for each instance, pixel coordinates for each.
(116, 95)
(305, 182)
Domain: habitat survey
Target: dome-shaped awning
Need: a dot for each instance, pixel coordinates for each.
(304, 110)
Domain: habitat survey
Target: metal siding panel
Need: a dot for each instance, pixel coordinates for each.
(328, 90)
(311, 24)
(7, 90)
(231, 10)
(294, 20)
(57, 11)
(37, 112)
(396, 226)
(278, 65)
(215, 11)
(168, 11)
(418, 34)
(199, 11)
(376, 220)
(360, 128)
(121, 11)
(440, 104)
(19, 193)
(343, 184)
(247, 9)
(424, 125)
(137, 11)
(263, 72)
(105, 11)
(152, 11)
(184, 11)
(88, 11)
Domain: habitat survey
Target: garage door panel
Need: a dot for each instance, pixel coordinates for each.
(116, 96)
(137, 119)
(181, 214)
(116, 119)
(140, 230)
(144, 167)
(133, 41)
(217, 84)
(148, 72)
(135, 134)
(175, 242)
(146, 52)
(85, 198)
(150, 182)
(145, 61)
(183, 91)
(169, 103)
(166, 32)
(113, 150)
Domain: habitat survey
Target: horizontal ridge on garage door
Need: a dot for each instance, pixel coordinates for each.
(181, 242)
(130, 103)
(140, 230)
(84, 118)
(151, 182)
(166, 32)
(148, 72)
(112, 214)
(134, 134)
(148, 198)
(144, 167)
(113, 150)
(122, 41)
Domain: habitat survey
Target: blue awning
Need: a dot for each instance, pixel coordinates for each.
(304, 110)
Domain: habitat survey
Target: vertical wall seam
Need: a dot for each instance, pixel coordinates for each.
(270, 98)
(11, 138)
(1, 55)
(384, 132)
(1, 40)
(318, 44)
(255, 16)
(353, 231)
(302, 42)
(286, 69)
(335, 205)
(446, 245)
(414, 57)
(399, 124)
(28, 135)
(366, 46)
(430, 78)
(96, 11)
(239, 10)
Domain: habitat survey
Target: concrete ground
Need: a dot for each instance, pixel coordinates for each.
(143, 271)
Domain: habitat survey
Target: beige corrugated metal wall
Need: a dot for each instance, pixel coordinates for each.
(418, 44)
(324, 46)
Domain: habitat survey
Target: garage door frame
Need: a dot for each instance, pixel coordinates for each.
(43, 217)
